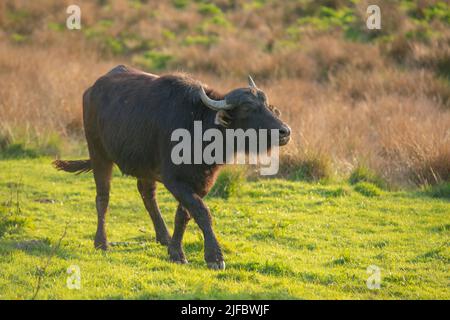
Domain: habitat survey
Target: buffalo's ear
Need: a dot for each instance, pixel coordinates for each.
(222, 118)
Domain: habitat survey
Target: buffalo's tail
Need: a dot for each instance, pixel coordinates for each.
(75, 166)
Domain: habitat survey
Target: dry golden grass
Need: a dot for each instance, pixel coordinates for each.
(348, 103)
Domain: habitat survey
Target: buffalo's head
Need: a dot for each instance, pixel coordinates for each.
(247, 108)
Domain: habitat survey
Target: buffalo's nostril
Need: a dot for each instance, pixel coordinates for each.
(285, 131)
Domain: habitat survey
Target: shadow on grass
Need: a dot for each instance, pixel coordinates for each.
(432, 255)
(35, 247)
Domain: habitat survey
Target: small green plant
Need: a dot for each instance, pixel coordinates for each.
(439, 191)
(200, 40)
(367, 189)
(17, 150)
(228, 183)
(329, 18)
(18, 38)
(55, 26)
(10, 224)
(153, 60)
(114, 45)
(314, 167)
(219, 20)
(209, 9)
(5, 140)
(363, 174)
(99, 29)
(168, 34)
(439, 11)
(254, 5)
(180, 4)
(342, 259)
(29, 145)
(43, 270)
(11, 220)
(336, 192)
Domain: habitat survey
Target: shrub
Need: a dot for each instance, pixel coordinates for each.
(439, 191)
(200, 40)
(180, 4)
(29, 145)
(18, 38)
(367, 189)
(114, 45)
(343, 259)
(339, 192)
(153, 60)
(17, 150)
(310, 167)
(209, 9)
(55, 26)
(228, 183)
(5, 140)
(363, 174)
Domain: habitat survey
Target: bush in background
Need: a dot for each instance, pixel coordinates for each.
(363, 174)
(228, 182)
(439, 191)
(367, 189)
(311, 167)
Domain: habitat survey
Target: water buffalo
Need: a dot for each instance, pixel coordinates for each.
(128, 118)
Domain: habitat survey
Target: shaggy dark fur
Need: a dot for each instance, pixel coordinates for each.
(129, 117)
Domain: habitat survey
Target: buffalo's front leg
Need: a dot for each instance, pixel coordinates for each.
(198, 210)
(182, 218)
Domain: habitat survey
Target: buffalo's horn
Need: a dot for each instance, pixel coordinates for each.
(251, 83)
(213, 104)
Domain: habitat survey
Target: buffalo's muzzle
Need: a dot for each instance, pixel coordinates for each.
(285, 135)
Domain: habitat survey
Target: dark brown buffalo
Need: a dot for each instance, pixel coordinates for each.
(128, 119)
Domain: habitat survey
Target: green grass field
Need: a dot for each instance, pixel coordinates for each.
(281, 239)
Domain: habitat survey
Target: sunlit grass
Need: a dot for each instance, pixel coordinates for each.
(281, 239)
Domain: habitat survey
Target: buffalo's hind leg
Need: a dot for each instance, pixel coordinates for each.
(102, 175)
(147, 189)
(176, 253)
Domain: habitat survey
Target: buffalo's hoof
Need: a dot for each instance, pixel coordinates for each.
(177, 256)
(182, 261)
(218, 265)
(101, 246)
